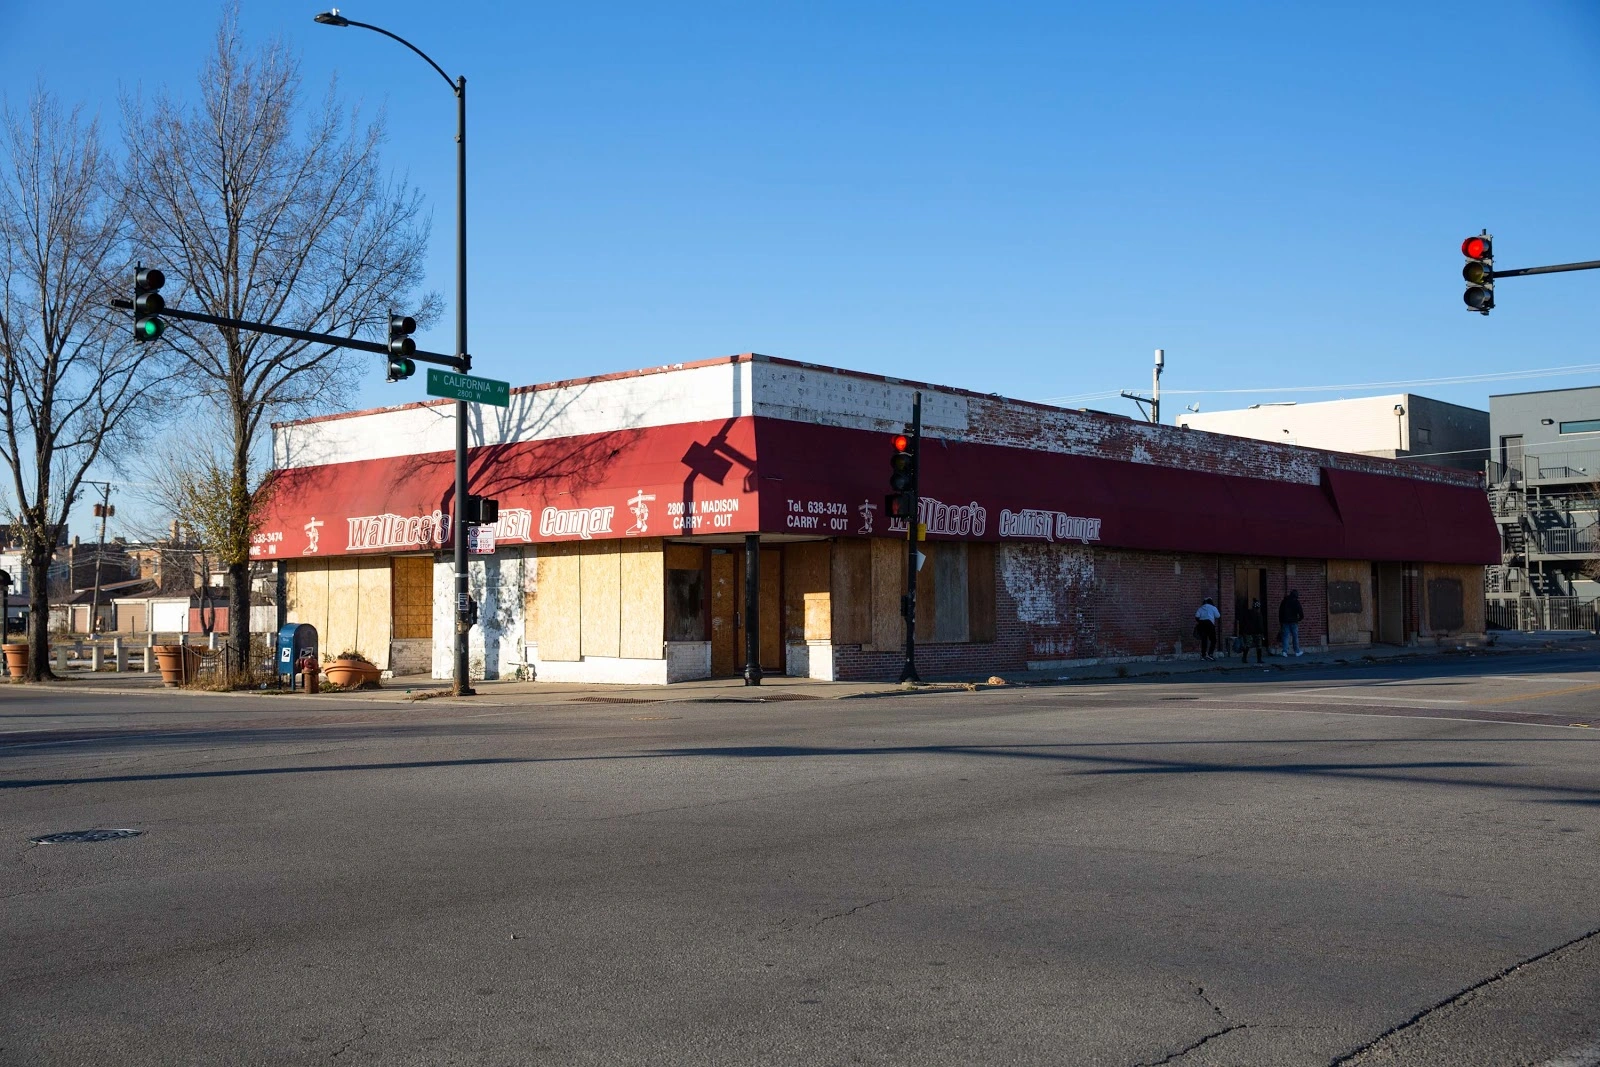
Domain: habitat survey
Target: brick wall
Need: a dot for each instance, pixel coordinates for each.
(1060, 604)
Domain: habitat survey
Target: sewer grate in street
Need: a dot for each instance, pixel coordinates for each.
(1180, 698)
(69, 837)
(618, 700)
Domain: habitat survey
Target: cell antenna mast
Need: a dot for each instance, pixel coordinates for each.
(1154, 399)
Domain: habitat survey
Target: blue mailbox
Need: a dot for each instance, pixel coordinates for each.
(295, 640)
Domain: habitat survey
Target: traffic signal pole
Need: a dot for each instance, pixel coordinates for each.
(1588, 264)
(463, 677)
(298, 335)
(908, 605)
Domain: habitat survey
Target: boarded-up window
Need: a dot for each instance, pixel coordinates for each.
(686, 605)
(1444, 604)
(949, 593)
(413, 597)
(980, 592)
(1344, 598)
(852, 592)
(807, 567)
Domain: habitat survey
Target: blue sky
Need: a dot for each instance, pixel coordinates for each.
(1024, 199)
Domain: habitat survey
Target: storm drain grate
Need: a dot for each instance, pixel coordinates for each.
(618, 700)
(69, 837)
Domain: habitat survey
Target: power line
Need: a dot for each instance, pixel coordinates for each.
(1458, 379)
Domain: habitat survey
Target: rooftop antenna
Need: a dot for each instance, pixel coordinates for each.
(1154, 399)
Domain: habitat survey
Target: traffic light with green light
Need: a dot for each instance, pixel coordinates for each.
(148, 304)
(401, 346)
(1478, 273)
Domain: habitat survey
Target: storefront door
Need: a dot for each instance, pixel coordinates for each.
(727, 611)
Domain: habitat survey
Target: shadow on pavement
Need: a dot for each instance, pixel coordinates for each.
(1083, 763)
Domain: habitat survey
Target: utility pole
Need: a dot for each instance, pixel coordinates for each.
(1154, 399)
(908, 605)
(104, 511)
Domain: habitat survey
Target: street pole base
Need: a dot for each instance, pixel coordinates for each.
(752, 675)
(463, 691)
(908, 673)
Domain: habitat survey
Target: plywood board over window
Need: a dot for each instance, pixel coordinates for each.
(949, 601)
(852, 592)
(413, 597)
(375, 609)
(980, 592)
(888, 585)
(805, 570)
(559, 581)
(599, 615)
(344, 608)
(927, 591)
(307, 584)
(642, 571)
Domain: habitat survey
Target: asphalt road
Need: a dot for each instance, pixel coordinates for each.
(1395, 864)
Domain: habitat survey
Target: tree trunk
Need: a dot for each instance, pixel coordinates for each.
(239, 618)
(38, 565)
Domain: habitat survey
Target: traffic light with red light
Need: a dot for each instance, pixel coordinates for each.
(1478, 273)
(902, 478)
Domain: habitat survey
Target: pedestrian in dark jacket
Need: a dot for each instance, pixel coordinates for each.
(1289, 615)
(1253, 631)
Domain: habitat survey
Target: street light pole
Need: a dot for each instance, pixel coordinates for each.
(463, 679)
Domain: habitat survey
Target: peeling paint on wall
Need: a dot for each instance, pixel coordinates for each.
(1046, 581)
(494, 646)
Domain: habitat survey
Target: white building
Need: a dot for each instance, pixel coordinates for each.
(1397, 426)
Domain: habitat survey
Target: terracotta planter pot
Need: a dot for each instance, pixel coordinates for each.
(178, 663)
(349, 672)
(16, 660)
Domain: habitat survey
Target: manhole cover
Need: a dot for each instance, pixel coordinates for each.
(71, 836)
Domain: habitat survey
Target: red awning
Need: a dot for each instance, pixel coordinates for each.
(1388, 518)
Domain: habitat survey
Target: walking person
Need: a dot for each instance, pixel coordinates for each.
(1289, 615)
(1253, 631)
(1205, 628)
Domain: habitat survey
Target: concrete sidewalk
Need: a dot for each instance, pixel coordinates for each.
(411, 689)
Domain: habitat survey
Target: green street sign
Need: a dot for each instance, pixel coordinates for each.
(465, 387)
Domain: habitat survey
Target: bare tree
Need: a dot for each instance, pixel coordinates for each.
(74, 394)
(275, 213)
(189, 482)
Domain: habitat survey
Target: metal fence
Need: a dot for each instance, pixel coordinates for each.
(1542, 613)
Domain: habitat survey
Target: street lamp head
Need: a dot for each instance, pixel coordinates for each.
(332, 18)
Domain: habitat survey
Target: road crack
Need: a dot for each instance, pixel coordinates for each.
(1227, 1028)
(852, 911)
(1460, 996)
(1171, 1056)
(361, 1036)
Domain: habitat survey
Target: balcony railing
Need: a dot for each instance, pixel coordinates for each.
(1541, 613)
(1584, 541)
(1563, 467)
